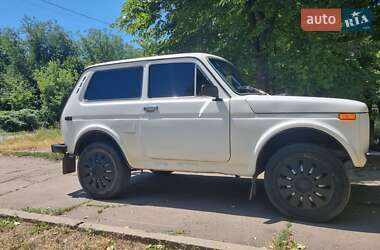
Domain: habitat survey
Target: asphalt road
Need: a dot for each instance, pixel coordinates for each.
(204, 206)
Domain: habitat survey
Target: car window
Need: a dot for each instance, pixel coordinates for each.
(201, 80)
(115, 84)
(171, 79)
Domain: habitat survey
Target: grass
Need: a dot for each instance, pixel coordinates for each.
(177, 232)
(39, 140)
(157, 247)
(46, 155)
(31, 144)
(101, 207)
(8, 223)
(39, 228)
(19, 234)
(53, 211)
(284, 240)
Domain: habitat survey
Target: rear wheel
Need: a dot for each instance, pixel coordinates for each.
(306, 181)
(102, 172)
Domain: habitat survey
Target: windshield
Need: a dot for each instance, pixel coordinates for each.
(233, 78)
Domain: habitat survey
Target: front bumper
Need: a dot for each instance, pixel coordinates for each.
(373, 158)
(373, 155)
(68, 161)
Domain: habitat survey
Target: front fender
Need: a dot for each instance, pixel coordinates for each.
(318, 125)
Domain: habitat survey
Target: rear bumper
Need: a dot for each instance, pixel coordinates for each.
(68, 161)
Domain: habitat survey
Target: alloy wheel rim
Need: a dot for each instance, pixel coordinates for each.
(305, 183)
(98, 171)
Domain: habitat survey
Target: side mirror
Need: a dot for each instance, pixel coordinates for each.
(210, 90)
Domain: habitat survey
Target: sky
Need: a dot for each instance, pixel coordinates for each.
(106, 11)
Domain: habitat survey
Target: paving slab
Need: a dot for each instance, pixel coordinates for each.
(32, 182)
(210, 207)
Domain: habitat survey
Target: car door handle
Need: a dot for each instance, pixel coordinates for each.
(151, 108)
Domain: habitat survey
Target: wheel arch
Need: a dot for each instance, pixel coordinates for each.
(99, 134)
(286, 134)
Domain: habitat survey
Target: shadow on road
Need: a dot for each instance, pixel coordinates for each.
(229, 195)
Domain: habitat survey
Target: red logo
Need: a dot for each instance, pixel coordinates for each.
(321, 19)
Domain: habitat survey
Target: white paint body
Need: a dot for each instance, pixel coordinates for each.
(197, 134)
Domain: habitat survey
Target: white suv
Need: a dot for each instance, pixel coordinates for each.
(194, 113)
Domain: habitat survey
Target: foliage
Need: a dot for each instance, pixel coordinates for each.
(99, 46)
(13, 53)
(46, 41)
(13, 121)
(41, 62)
(55, 82)
(15, 94)
(17, 89)
(284, 240)
(265, 40)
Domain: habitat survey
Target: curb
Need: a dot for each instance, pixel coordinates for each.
(39, 217)
(133, 234)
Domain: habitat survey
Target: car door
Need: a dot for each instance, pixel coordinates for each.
(179, 124)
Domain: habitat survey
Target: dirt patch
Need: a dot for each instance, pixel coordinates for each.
(18, 234)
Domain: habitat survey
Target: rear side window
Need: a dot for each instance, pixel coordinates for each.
(115, 84)
(171, 79)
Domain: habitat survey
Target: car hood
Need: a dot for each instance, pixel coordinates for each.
(298, 104)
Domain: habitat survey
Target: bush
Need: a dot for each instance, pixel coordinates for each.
(55, 82)
(15, 93)
(13, 121)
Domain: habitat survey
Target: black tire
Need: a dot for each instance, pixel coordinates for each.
(161, 172)
(102, 172)
(307, 182)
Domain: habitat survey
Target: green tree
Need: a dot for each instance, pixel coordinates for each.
(13, 51)
(15, 93)
(40, 63)
(100, 46)
(264, 38)
(46, 41)
(13, 54)
(55, 82)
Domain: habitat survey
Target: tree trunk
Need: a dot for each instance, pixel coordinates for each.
(263, 77)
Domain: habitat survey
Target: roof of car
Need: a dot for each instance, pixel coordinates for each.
(181, 55)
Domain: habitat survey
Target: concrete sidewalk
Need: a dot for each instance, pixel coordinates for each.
(206, 207)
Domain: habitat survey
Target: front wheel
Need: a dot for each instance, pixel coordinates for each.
(306, 181)
(101, 171)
